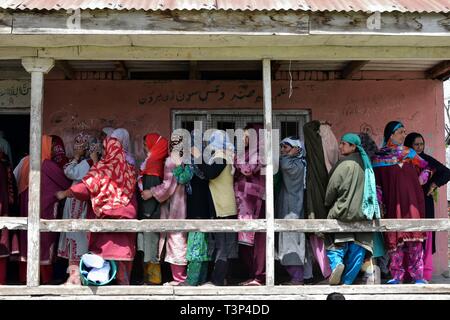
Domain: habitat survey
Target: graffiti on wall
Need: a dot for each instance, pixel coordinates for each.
(244, 93)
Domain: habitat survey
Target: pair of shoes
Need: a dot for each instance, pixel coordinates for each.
(393, 281)
(335, 277)
(421, 281)
(308, 281)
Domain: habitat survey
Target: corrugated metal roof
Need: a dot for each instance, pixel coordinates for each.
(302, 5)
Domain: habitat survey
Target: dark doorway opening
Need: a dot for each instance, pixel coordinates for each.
(16, 129)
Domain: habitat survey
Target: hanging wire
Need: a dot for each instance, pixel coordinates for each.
(290, 79)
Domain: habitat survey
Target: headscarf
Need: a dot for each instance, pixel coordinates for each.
(182, 173)
(410, 138)
(59, 152)
(294, 142)
(81, 141)
(5, 147)
(153, 164)
(46, 154)
(370, 206)
(111, 181)
(392, 153)
(223, 148)
(108, 131)
(123, 136)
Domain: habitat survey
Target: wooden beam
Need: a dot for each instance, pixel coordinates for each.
(316, 225)
(383, 225)
(13, 223)
(37, 67)
(440, 71)
(244, 53)
(352, 67)
(224, 291)
(113, 225)
(121, 68)
(268, 153)
(64, 66)
(194, 73)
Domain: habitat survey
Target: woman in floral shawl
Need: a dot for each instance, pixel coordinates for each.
(172, 196)
(249, 188)
(110, 186)
(399, 173)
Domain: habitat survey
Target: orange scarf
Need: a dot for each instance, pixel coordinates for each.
(24, 175)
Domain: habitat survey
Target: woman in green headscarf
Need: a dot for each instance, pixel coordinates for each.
(351, 196)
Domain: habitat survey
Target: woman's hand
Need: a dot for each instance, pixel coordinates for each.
(146, 194)
(433, 187)
(60, 195)
(94, 156)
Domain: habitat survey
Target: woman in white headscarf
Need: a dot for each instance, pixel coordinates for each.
(123, 136)
(72, 245)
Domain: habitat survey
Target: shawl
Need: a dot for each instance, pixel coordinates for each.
(370, 206)
(110, 181)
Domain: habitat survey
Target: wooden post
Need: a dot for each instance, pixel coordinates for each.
(270, 233)
(37, 67)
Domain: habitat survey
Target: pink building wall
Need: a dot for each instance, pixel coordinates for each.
(145, 106)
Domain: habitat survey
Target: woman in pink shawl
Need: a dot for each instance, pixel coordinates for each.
(8, 200)
(110, 186)
(249, 188)
(52, 180)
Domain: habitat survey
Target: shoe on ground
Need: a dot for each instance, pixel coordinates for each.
(393, 281)
(336, 275)
(421, 281)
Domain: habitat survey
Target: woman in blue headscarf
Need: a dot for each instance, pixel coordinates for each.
(351, 196)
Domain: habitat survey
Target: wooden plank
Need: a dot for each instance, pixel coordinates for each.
(383, 225)
(315, 225)
(296, 297)
(268, 22)
(263, 291)
(112, 225)
(440, 71)
(6, 22)
(245, 53)
(268, 153)
(13, 223)
(352, 67)
(141, 22)
(37, 67)
(194, 74)
(389, 23)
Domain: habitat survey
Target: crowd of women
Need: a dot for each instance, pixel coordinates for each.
(318, 178)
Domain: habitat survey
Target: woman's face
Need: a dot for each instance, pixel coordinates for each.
(144, 146)
(398, 137)
(346, 148)
(285, 149)
(419, 145)
(246, 138)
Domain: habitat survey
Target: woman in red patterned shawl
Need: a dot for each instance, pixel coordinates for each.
(52, 180)
(110, 186)
(399, 173)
